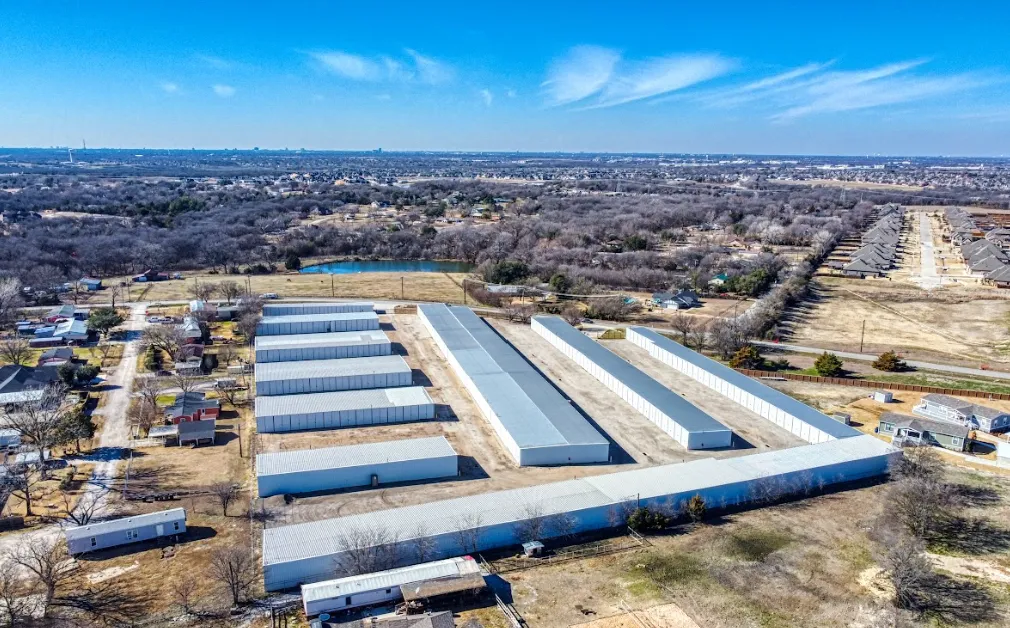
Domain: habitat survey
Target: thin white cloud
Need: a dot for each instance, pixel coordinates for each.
(487, 96)
(216, 63)
(588, 71)
(579, 74)
(511, 93)
(224, 91)
(430, 70)
(415, 67)
(350, 66)
(169, 88)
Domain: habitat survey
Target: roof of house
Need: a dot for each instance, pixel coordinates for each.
(24, 383)
(1000, 274)
(71, 327)
(440, 619)
(64, 311)
(125, 523)
(57, 353)
(368, 454)
(948, 401)
(187, 404)
(934, 426)
(192, 430)
(986, 412)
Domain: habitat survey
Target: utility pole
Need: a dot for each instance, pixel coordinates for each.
(401, 287)
(464, 291)
(862, 335)
(333, 292)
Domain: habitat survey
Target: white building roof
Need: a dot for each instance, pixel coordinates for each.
(312, 318)
(325, 537)
(304, 460)
(313, 403)
(392, 578)
(329, 339)
(318, 369)
(126, 523)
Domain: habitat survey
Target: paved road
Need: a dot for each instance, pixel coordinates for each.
(929, 366)
(928, 278)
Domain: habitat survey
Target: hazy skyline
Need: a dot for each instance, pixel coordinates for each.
(726, 78)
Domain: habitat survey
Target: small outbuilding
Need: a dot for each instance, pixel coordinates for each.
(124, 531)
(882, 396)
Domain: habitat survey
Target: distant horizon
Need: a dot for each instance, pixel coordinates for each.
(421, 151)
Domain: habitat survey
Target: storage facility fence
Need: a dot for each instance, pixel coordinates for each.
(864, 383)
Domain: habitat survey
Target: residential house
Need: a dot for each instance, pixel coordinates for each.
(999, 277)
(196, 432)
(974, 416)
(192, 406)
(718, 280)
(191, 329)
(72, 331)
(56, 357)
(150, 275)
(681, 300)
(59, 313)
(25, 383)
(911, 430)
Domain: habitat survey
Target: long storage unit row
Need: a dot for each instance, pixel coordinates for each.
(288, 309)
(534, 422)
(316, 323)
(312, 376)
(340, 344)
(307, 552)
(779, 408)
(332, 468)
(678, 417)
(349, 408)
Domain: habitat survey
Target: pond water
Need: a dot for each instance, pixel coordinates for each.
(389, 266)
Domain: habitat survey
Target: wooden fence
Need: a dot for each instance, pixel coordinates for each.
(863, 383)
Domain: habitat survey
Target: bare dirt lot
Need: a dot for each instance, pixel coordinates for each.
(960, 323)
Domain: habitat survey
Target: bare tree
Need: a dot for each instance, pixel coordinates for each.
(233, 567)
(562, 525)
(10, 298)
(247, 326)
(103, 349)
(684, 324)
(167, 338)
(20, 482)
(16, 602)
(85, 508)
(14, 350)
(468, 531)
(422, 545)
(226, 493)
(143, 415)
(185, 591)
(185, 383)
(229, 289)
(114, 293)
(531, 525)
(230, 394)
(48, 560)
(910, 572)
(226, 353)
(698, 338)
(202, 291)
(572, 314)
(148, 389)
(39, 419)
(365, 550)
(617, 515)
(520, 313)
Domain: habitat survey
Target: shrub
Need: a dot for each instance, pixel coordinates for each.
(696, 508)
(828, 365)
(889, 361)
(747, 357)
(645, 520)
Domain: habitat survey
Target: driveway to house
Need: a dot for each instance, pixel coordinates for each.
(869, 357)
(928, 278)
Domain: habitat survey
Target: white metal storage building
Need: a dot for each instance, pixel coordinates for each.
(348, 408)
(339, 344)
(381, 587)
(678, 417)
(777, 407)
(287, 378)
(316, 323)
(307, 552)
(534, 422)
(387, 462)
(115, 532)
(289, 309)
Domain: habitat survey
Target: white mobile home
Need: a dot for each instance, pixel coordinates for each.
(330, 468)
(290, 309)
(316, 323)
(347, 408)
(340, 344)
(384, 586)
(287, 378)
(116, 532)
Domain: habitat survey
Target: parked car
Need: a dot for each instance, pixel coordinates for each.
(269, 295)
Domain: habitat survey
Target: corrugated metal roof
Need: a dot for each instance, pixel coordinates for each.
(323, 538)
(313, 403)
(284, 308)
(683, 412)
(126, 523)
(304, 460)
(328, 339)
(311, 318)
(780, 400)
(533, 412)
(316, 369)
(392, 578)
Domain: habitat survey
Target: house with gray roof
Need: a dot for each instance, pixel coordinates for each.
(952, 409)
(915, 431)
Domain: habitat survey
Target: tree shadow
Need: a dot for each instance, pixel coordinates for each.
(972, 536)
(954, 600)
(191, 535)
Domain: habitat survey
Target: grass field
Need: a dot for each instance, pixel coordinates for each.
(435, 287)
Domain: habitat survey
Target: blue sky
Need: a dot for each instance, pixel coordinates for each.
(923, 78)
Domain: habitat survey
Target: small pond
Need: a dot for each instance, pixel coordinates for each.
(388, 266)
